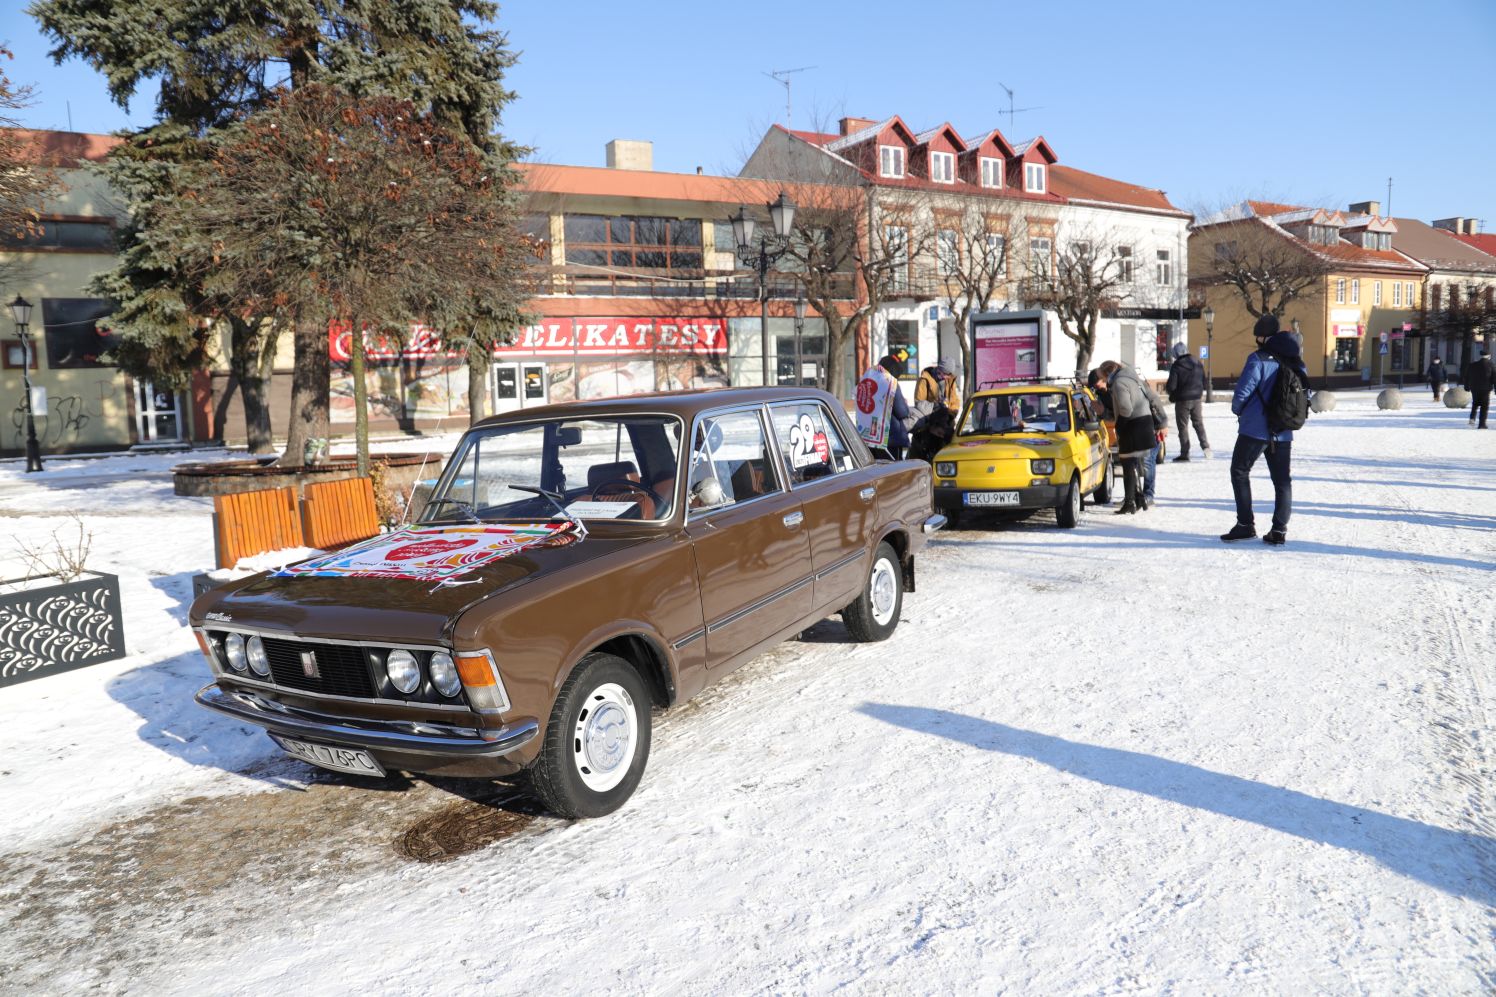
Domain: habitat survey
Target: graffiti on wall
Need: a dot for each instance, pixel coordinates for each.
(64, 422)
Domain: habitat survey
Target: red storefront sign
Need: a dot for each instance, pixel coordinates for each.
(558, 337)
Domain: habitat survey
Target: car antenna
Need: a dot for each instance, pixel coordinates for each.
(555, 500)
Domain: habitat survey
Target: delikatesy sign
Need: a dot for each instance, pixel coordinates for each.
(558, 337)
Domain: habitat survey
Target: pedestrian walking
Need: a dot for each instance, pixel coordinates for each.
(1478, 383)
(1256, 438)
(1135, 433)
(1437, 377)
(1186, 389)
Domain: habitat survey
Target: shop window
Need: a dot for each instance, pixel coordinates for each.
(1399, 353)
(1347, 355)
(72, 332)
(1163, 345)
(80, 236)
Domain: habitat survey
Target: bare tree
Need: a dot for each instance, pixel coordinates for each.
(328, 208)
(971, 250)
(1268, 268)
(1467, 310)
(24, 183)
(1085, 278)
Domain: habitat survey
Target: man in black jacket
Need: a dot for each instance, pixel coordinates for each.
(1186, 385)
(1437, 377)
(1478, 383)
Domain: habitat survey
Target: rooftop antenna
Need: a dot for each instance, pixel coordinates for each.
(69, 105)
(1389, 197)
(781, 76)
(1015, 110)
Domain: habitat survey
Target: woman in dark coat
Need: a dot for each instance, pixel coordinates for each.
(1135, 432)
(899, 423)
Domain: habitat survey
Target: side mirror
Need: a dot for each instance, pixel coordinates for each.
(1091, 426)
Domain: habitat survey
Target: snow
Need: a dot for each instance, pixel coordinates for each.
(1121, 758)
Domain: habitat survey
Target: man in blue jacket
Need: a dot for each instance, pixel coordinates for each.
(1254, 438)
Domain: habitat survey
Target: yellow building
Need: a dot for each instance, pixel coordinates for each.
(89, 405)
(1360, 316)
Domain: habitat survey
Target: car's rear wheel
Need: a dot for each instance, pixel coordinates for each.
(875, 614)
(1067, 513)
(1103, 493)
(597, 742)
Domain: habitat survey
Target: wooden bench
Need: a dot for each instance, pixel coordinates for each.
(337, 513)
(249, 523)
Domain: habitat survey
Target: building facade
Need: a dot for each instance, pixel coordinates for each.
(947, 197)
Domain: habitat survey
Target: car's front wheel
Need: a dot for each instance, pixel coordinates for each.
(875, 614)
(1067, 513)
(597, 741)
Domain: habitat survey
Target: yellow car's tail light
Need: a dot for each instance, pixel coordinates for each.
(480, 677)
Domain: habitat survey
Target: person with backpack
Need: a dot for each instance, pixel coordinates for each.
(1271, 401)
(1186, 388)
(937, 386)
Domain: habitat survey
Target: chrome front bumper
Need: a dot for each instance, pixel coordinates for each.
(406, 736)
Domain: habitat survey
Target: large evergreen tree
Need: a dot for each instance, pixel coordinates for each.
(219, 61)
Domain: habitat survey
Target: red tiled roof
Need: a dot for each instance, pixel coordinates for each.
(1073, 184)
(814, 138)
(62, 150)
(1348, 252)
(1486, 243)
(1265, 208)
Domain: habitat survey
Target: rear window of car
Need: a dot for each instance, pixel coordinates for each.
(809, 441)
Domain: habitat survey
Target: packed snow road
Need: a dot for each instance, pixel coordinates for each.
(1121, 758)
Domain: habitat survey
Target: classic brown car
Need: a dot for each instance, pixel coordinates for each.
(576, 566)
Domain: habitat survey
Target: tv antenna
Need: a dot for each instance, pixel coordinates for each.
(781, 76)
(1016, 110)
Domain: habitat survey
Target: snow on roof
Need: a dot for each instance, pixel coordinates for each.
(859, 136)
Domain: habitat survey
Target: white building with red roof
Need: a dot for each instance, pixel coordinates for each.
(930, 184)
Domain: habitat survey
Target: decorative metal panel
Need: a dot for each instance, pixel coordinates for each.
(59, 627)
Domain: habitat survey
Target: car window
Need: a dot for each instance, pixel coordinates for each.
(809, 441)
(1037, 411)
(1083, 409)
(729, 461)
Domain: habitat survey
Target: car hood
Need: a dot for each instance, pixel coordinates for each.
(377, 608)
(1008, 447)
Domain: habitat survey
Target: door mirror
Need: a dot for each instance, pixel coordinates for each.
(1091, 426)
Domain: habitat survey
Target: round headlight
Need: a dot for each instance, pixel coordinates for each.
(254, 649)
(233, 649)
(444, 674)
(946, 469)
(403, 671)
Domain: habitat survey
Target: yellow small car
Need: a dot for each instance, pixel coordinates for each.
(1025, 447)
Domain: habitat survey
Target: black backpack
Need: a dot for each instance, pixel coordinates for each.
(1287, 406)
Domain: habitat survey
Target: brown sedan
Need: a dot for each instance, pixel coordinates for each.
(575, 566)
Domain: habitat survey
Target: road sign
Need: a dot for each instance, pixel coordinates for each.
(1204, 352)
(1384, 339)
(1382, 349)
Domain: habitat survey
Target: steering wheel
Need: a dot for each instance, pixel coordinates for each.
(625, 488)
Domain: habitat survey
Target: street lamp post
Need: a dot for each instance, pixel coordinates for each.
(763, 256)
(799, 340)
(1209, 315)
(20, 310)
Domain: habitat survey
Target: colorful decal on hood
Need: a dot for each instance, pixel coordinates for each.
(1037, 441)
(432, 553)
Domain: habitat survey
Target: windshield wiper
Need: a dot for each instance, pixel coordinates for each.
(461, 507)
(555, 500)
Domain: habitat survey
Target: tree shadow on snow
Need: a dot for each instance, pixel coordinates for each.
(1447, 860)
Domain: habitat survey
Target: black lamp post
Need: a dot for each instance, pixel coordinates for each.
(20, 310)
(763, 256)
(799, 341)
(1209, 315)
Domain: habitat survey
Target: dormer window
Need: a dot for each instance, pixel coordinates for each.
(1324, 235)
(943, 167)
(1033, 178)
(891, 160)
(992, 172)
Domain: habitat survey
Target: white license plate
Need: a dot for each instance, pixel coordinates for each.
(991, 498)
(329, 756)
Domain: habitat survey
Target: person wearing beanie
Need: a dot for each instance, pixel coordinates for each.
(1186, 388)
(936, 405)
(1254, 438)
(1437, 377)
(901, 418)
(1478, 380)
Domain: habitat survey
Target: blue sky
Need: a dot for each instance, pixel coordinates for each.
(1310, 102)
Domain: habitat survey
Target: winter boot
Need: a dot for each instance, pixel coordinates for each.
(1239, 532)
(1130, 490)
(1182, 458)
(1275, 538)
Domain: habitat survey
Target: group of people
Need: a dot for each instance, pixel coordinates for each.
(1142, 423)
(1477, 380)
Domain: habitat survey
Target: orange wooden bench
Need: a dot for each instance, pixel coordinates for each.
(337, 513)
(249, 523)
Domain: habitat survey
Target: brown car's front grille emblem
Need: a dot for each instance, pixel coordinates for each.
(309, 665)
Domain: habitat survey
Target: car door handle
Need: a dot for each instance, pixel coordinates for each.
(867, 493)
(794, 519)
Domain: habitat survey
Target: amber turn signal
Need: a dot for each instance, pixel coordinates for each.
(475, 670)
(480, 677)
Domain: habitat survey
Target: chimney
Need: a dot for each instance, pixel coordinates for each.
(1455, 225)
(630, 154)
(850, 125)
(1472, 226)
(1373, 208)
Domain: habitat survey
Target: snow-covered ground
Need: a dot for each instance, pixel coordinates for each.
(1116, 759)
